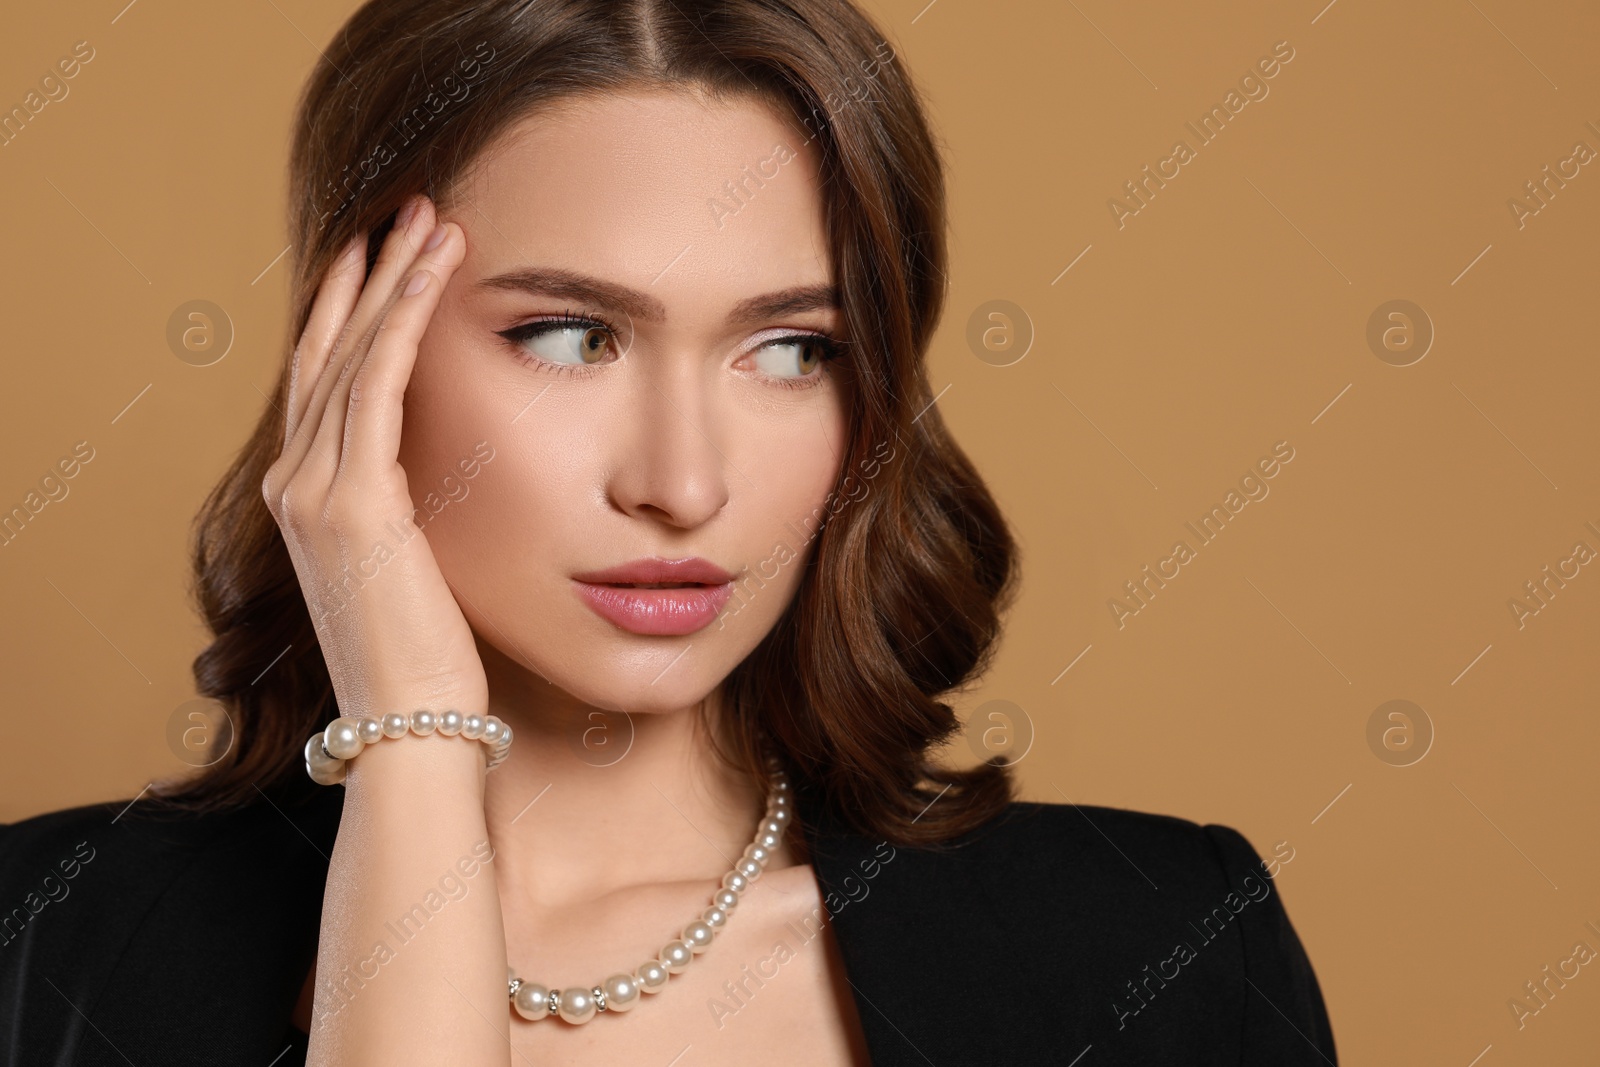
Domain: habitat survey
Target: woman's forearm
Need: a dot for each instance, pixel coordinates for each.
(411, 962)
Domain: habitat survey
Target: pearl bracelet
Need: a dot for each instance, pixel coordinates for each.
(345, 737)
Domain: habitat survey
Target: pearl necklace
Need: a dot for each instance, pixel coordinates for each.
(622, 991)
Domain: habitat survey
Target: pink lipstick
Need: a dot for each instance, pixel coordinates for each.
(657, 596)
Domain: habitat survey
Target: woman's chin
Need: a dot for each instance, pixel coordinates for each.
(635, 689)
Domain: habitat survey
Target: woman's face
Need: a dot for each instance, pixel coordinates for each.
(668, 412)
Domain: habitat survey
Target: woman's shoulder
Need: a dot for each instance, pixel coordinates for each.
(93, 874)
(1033, 845)
(106, 909)
(143, 839)
(84, 853)
(1154, 938)
(1180, 860)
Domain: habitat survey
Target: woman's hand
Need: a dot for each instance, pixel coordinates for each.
(391, 632)
(399, 977)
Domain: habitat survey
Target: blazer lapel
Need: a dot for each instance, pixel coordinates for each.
(863, 891)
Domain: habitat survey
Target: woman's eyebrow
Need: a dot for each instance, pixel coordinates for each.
(570, 285)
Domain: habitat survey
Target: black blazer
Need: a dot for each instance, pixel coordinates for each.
(1054, 934)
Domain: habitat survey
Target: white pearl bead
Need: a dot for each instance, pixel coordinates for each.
(676, 956)
(779, 816)
(319, 763)
(324, 770)
(577, 1005)
(735, 881)
(327, 777)
(532, 1001)
(424, 723)
(492, 729)
(716, 918)
(370, 730)
(755, 852)
(652, 976)
(342, 739)
(450, 723)
(749, 868)
(622, 992)
(773, 827)
(472, 727)
(779, 800)
(697, 935)
(395, 724)
(781, 785)
(769, 841)
(726, 899)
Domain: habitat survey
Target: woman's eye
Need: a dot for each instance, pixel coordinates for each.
(572, 343)
(792, 357)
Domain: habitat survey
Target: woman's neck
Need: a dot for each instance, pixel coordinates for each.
(590, 802)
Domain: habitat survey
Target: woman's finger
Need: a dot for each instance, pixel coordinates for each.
(316, 444)
(335, 300)
(377, 394)
(331, 434)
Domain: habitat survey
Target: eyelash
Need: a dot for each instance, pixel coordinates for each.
(832, 347)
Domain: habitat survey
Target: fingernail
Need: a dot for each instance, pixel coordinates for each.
(435, 239)
(419, 282)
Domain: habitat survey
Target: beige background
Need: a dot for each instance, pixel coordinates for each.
(1226, 316)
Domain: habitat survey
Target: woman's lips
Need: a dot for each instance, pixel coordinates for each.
(640, 610)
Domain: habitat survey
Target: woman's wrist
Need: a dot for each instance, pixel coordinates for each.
(418, 777)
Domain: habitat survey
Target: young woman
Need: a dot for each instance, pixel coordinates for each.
(582, 604)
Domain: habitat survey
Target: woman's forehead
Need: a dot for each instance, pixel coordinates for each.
(660, 191)
(648, 152)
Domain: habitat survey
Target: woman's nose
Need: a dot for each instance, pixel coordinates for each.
(672, 463)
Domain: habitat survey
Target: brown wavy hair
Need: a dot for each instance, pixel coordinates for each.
(902, 600)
